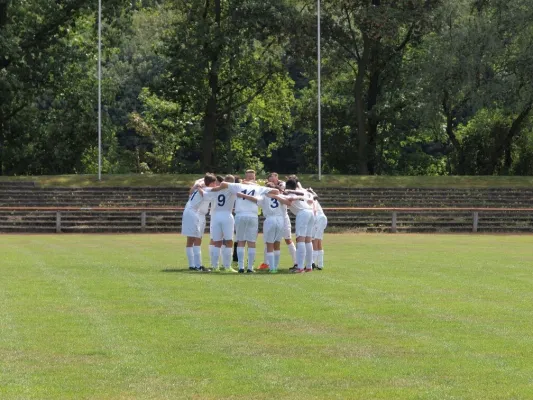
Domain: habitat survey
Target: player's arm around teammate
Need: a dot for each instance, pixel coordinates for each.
(193, 223)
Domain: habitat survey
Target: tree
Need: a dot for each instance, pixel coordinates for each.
(224, 55)
(371, 38)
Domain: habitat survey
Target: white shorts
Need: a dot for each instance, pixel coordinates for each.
(321, 221)
(305, 220)
(246, 228)
(287, 227)
(273, 228)
(192, 224)
(222, 224)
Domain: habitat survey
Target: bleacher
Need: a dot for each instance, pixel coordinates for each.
(22, 209)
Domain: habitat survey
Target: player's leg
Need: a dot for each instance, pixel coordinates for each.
(264, 265)
(197, 246)
(250, 237)
(277, 239)
(191, 229)
(228, 226)
(241, 243)
(309, 244)
(269, 232)
(217, 236)
(318, 240)
(287, 228)
(302, 220)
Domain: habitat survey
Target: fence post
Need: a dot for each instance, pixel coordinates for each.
(58, 222)
(476, 221)
(394, 218)
(143, 221)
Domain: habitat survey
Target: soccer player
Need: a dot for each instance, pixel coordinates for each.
(249, 176)
(303, 210)
(247, 221)
(207, 208)
(274, 209)
(273, 178)
(222, 223)
(193, 222)
(222, 226)
(321, 222)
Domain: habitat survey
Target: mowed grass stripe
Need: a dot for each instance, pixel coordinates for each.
(392, 316)
(69, 325)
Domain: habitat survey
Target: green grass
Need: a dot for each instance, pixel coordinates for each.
(391, 317)
(309, 180)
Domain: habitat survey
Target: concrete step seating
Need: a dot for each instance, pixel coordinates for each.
(26, 194)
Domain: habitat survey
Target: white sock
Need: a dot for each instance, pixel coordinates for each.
(227, 255)
(265, 260)
(277, 255)
(300, 254)
(240, 256)
(190, 256)
(315, 256)
(270, 259)
(215, 254)
(308, 255)
(197, 256)
(251, 257)
(292, 251)
(321, 258)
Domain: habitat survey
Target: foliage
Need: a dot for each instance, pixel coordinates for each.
(418, 87)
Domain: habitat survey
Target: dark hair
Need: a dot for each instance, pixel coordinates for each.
(290, 184)
(293, 178)
(220, 178)
(237, 179)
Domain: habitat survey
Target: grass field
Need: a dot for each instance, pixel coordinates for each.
(307, 179)
(390, 317)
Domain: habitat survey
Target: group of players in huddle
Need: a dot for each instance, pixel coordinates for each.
(221, 196)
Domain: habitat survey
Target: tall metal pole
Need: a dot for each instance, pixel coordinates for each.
(99, 90)
(319, 98)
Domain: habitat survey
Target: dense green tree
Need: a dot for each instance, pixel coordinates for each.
(408, 87)
(225, 57)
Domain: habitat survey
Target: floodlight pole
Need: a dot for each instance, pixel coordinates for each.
(319, 97)
(99, 90)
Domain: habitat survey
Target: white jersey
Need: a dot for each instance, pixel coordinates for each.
(197, 202)
(247, 207)
(299, 205)
(272, 207)
(318, 208)
(224, 200)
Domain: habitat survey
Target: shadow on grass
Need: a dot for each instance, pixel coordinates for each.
(257, 273)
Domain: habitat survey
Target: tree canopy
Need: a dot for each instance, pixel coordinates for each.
(415, 87)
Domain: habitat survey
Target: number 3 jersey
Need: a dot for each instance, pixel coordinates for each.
(272, 207)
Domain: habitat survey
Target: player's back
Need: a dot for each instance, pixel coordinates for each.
(299, 205)
(195, 202)
(223, 200)
(243, 206)
(272, 207)
(318, 208)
